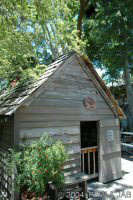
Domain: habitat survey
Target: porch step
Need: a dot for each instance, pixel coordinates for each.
(76, 178)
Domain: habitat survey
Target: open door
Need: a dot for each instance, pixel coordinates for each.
(109, 150)
(89, 148)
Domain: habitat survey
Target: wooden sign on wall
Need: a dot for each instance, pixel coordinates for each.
(110, 135)
(89, 103)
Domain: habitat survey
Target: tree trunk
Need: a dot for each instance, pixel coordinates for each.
(53, 49)
(83, 5)
(129, 91)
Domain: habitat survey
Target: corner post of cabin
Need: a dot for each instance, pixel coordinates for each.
(16, 140)
(16, 127)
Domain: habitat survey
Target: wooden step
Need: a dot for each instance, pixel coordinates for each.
(76, 178)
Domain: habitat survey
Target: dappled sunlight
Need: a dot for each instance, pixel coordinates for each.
(118, 189)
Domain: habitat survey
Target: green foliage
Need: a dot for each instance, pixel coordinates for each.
(37, 31)
(34, 32)
(38, 164)
(112, 75)
(119, 92)
(109, 34)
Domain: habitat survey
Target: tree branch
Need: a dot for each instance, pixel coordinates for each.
(83, 5)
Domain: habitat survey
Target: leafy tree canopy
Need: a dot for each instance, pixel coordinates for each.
(35, 32)
(109, 32)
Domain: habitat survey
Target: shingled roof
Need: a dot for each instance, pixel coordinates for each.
(10, 103)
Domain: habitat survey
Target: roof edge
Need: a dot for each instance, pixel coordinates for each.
(108, 93)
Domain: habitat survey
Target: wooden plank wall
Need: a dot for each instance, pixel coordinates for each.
(109, 151)
(59, 110)
(6, 133)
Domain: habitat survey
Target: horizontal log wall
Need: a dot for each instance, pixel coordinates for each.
(59, 109)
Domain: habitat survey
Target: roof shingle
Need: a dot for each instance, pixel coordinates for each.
(10, 103)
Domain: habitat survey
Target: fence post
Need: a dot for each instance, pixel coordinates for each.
(14, 194)
(6, 180)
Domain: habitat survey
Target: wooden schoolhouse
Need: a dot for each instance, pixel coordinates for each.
(71, 103)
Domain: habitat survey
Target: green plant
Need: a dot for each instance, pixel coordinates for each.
(38, 164)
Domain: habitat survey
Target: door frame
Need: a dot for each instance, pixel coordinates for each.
(98, 143)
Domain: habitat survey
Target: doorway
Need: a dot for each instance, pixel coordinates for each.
(89, 148)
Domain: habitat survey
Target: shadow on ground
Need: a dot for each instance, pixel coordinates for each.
(120, 189)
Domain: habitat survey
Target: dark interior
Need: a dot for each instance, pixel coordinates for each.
(88, 134)
(89, 139)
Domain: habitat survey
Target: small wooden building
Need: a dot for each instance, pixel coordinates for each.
(71, 103)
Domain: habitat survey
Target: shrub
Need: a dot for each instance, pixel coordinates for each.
(40, 163)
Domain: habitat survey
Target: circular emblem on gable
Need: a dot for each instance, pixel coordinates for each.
(89, 103)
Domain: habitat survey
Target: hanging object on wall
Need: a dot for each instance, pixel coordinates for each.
(110, 135)
(89, 103)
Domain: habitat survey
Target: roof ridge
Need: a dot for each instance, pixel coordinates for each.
(15, 100)
(63, 55)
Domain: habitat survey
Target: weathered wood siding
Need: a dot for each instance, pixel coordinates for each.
(6, 132)
(109, 151)
(59, 109)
